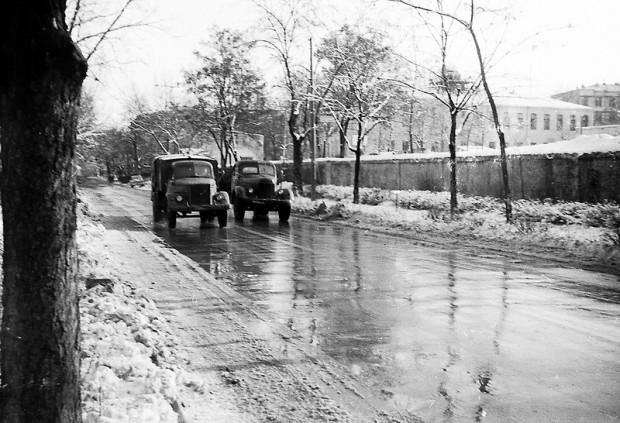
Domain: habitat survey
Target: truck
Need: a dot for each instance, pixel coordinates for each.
(253, 187)
(184, 185)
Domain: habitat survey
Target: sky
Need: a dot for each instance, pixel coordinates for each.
(553, 45)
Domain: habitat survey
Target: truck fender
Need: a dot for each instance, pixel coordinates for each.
(240, 192)
(226, 197)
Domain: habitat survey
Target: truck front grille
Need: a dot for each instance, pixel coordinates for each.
(265, 190)
(200, 194)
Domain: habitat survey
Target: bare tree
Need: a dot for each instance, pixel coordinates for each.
(226, 87)
(468, 24)
(449, 88)
(282, 22)
(41, 74)
(362, 94)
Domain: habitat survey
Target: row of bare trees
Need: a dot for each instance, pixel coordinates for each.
(362, 83)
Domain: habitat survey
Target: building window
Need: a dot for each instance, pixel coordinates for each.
(533, 121)
(506, 120)
(584, 101)
(546, 122)
(560, 123)
(605, 118)
(598, 102)
(520, 120)
(584, 121)
(612, 102)
(573, 122)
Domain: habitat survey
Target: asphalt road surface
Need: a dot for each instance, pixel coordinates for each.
(448, 334)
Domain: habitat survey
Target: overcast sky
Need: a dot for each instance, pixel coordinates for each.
(560, 44)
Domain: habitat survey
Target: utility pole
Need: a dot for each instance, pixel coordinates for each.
(313, 149)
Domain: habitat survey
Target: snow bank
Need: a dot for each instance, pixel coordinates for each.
(129, 355)
(600, 143)
(582, 230)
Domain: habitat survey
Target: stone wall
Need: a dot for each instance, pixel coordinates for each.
(588, 177)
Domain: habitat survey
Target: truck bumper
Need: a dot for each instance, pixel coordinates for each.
(265, 204)
(183, 208)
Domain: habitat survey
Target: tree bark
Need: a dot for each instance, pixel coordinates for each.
(298, 155)
(41, 74)
(452, 148)
(358, 164)
(344, 125)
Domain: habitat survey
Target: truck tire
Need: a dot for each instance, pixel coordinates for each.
(172, 220)
(284, 213)
(238, 209)
(222, 218)
(157, 213)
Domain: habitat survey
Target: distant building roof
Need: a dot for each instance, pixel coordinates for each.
(537, 102)
(610, 88)
(605, 87)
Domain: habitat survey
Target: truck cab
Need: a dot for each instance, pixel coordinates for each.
(185, 186)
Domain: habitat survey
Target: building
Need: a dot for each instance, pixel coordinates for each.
(425, 126)
(537, 120)
(604, 99)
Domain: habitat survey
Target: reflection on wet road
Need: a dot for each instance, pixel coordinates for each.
(449, 335)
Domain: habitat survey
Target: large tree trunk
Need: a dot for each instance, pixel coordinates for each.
(344, 125)
(452, 147)
(298, 155)
(41, 73)
(358, 164)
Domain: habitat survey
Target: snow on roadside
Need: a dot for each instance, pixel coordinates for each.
(488, 225)
(130, 367)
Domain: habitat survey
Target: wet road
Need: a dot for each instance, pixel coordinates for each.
(450, 335)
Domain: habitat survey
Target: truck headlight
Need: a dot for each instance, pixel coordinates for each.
(250, 190)
(218, 198)
(178, 198)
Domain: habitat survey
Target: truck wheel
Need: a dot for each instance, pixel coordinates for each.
(172, 220)
(284, 213)
(238, 210)
(157, 213)
(222, 218)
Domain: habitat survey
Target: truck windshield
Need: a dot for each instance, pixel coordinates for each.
(267, 169)
(258, 168)
(192, 170)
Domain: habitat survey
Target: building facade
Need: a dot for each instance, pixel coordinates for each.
(425, 128)
(537, 120)
(604, 99)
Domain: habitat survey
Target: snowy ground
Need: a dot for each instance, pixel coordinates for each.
(575, 232)
(132, 368)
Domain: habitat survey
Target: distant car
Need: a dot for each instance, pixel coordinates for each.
(253, 187)
(185, 186)
(136, 181)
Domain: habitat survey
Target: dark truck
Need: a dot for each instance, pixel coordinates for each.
(253, 187)
(185, 186)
